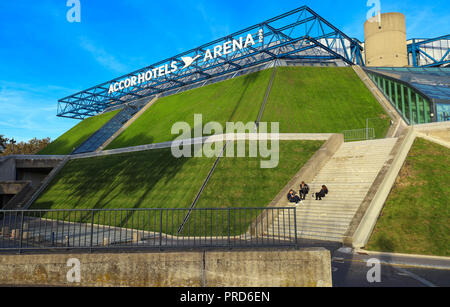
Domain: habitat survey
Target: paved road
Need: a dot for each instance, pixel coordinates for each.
(351, 270)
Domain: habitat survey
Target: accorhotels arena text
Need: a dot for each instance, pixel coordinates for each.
(165, 70)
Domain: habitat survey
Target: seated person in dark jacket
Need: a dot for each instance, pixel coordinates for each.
(304, 190)
(293, 198)
(323, 192)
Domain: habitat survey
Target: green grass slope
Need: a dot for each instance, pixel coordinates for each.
(73, 138)
(150, 179)
(155, 179)
(416, 216)
(233, 100)
(323, 100)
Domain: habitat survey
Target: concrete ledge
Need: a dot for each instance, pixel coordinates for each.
(194, 141)
(12, 187)
(362, 234)
(154, 270)
(210, 140)
(37, 163)
(433, 126)
(303, 268)
(32, 157)
(383, 101)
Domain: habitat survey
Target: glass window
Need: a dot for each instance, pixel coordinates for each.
(443, 112)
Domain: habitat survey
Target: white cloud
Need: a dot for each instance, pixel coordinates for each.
(102, 57)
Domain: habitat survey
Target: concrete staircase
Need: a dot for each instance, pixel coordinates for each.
(21, 198)
(348, 175)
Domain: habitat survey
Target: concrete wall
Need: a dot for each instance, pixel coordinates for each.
(27, 168)
(12, 187)
(385, 41)
(37, 163)
(7, 170)
(309, 267)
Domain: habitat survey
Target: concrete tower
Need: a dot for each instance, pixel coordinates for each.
(385, 43)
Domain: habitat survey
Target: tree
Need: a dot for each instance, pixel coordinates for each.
(31, 147)
(3, 143)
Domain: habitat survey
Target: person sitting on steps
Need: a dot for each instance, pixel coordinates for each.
(292, 197)
(304, 190)
(323, 192)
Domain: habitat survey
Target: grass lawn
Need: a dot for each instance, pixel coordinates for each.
(233, 100)
(323, 100)
(73, 138)
(150, 179)
(416, 216)
(155, 179)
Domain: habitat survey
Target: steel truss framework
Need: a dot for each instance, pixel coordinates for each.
(300, 34)
(417, 50)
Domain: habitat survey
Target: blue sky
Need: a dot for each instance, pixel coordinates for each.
(43, 57)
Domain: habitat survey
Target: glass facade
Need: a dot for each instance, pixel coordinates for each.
(443, 112)
(433, 82)
(413, 106)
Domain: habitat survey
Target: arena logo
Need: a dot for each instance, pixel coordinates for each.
(224, 49)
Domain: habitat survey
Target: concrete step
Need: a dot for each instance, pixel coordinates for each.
(335, 200)
(322, 219)
(324, 204)
(337, 192)
(335, 215)
(324, 227)
(338, 172)
(335, 185)
(315, 234)
(320, 236)
(328, 210)
(313, 221)
(316, 237)
(310, 230)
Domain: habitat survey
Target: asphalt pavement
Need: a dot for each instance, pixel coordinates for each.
(351, 269)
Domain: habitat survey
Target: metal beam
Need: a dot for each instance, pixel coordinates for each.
(280, 40)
